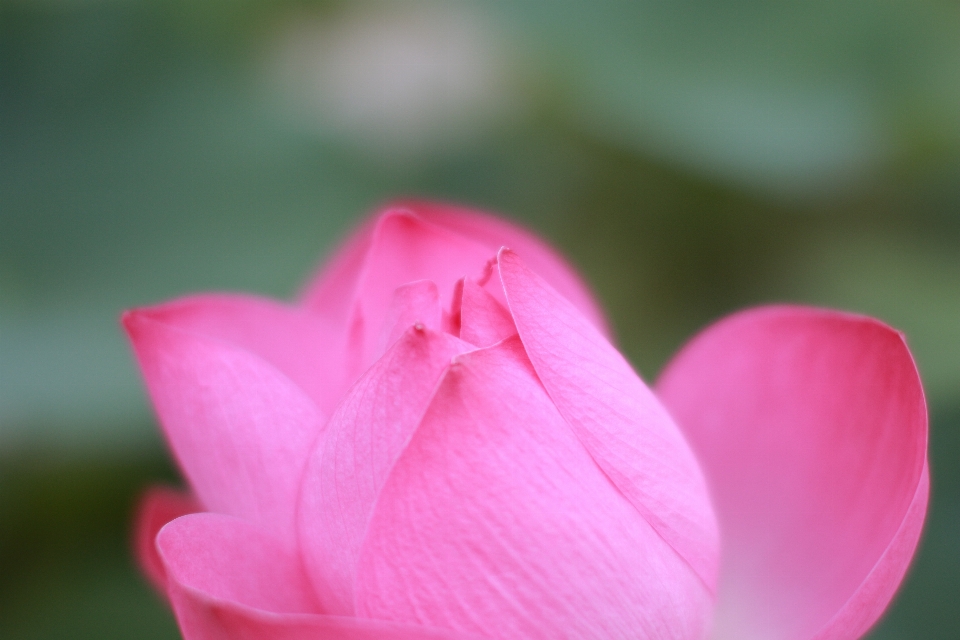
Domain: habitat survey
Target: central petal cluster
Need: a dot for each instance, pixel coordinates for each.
(477, 474)
(450, 488)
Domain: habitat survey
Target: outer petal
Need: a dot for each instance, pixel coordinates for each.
(495, 520)
(240, 429)
(812, 429)
(350, 464)
(616, 417)
(228, 580)
(305, 347)
(158, 506)
(868, 602)
(232, 560)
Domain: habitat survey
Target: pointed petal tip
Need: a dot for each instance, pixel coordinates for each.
(393, 213)
(132, 320)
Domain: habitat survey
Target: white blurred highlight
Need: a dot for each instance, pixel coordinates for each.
(399, 80)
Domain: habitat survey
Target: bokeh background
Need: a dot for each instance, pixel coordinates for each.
(691, 156)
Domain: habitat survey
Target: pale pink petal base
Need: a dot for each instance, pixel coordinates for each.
(812, 429)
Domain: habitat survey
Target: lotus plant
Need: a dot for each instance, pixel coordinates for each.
(439, 439)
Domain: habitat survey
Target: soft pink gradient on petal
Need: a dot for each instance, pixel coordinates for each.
(483, 320)
(617, 418)
(240, 429)
(495, 232)
(307, 348)
(414, 303)
(232, 560)
(157, 507)
(495, 520)
(812, 429)
(350, 464)
(230, 581)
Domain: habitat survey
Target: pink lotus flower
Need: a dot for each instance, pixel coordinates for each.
(439, 441)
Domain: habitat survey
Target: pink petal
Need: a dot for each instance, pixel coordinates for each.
(229, 580)
(305, 347)
(414, 303)
(812, 429)
(404, 249)
(157, 507)
(333, 289)
(866, 605)
(240, 429)
(349, 466)
(616, 417)
(483, 320)
(496, 232)
(231, 560)
(494, 520)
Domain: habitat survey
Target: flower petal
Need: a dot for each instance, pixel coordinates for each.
(305, 347)
(230, 559)
(495, 520)
(157, 507)
(230, 580)
(413, 303)
(812, 430)
(350, 464)
(617, 418)
(494, 233)
(334, 287)
(483, 320)
(405, 248)
(872, 596)
(240, 429)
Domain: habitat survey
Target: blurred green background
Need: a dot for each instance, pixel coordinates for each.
(690, 156)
